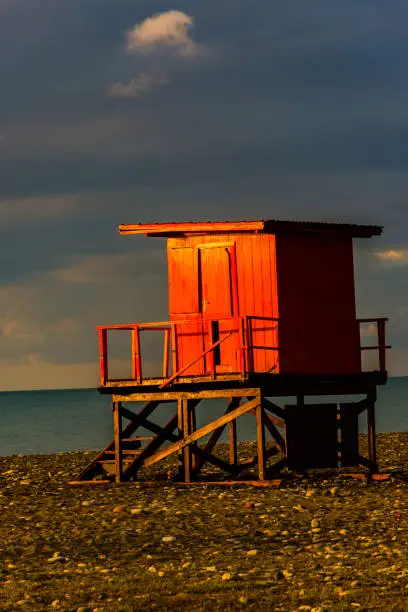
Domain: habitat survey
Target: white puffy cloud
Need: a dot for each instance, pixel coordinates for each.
(139, 86)
(169, 29)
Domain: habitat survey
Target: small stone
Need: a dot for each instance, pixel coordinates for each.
(136, 511)
(56, 557)
(152, 569)
(25, 482)
(86, 503)
(343, 531)
(243, 600)
(333, 490)
(119, 509)
(316, 529)
(168, 539)
(310, 492)
(315, 523)
(226, 576)
(287, 574)
(252, 552)
(186, 564)
(56, 603)
(161, 573)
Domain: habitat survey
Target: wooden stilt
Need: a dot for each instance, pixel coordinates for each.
(193, 427)
(180, 432)
(117, 434)
(233, 451)
(187, 449)
(372, 450)
(260, 439)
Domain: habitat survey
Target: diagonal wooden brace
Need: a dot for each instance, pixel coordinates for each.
(203, 431)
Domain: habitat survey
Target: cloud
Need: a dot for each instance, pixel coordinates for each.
(393, 256)
(101, 269)
(170, 29)
(139, 86)
(27, 210)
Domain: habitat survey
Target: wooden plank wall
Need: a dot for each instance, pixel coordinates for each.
(318, 333)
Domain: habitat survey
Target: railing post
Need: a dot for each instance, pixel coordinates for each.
(136, 361)
(243, 345)
(250, 352)
(211, 342)
(359, 347)
(174, 360)
(166, 353)
(103, 356)
(381, 343)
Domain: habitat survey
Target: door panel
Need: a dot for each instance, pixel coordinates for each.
(184, 305)
(218, 295)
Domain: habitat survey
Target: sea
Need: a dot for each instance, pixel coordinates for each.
(52, 421)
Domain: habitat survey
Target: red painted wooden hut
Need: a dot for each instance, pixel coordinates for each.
(267, 304)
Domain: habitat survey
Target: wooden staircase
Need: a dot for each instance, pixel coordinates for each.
(104, 467)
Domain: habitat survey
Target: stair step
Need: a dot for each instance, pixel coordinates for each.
(125, 451)
(138, 439)
(112, 461)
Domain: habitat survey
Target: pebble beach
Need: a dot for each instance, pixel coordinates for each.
(326, 542)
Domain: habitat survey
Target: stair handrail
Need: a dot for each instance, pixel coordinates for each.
(186, 367)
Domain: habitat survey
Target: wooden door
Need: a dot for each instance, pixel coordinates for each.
(184, 305)
(218, 303)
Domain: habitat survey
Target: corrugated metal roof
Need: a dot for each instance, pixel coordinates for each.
(260, 225)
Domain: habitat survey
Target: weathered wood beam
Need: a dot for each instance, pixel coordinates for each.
(203, 431)
(173, 396)
(215, 436)
(186, 432)
(372, 449)
(278, 410)
(260, 440)
(275, 433)
(117, 434)
(232, 435)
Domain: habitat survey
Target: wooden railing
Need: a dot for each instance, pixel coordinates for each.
(381, 345)
(243, 326)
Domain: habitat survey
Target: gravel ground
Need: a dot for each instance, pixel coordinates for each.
(322, 543)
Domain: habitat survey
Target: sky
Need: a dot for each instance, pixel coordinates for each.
(142, 111)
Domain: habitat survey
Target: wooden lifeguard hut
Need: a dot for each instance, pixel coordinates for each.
(257, 310)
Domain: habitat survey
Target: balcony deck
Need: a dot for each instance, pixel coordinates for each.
(174, 380)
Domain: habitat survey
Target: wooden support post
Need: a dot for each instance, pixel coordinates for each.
(117, 435)
(372, 450)
(180, 407)
(187, 449)
(193, 427)
(233, 451)
(260, 439)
